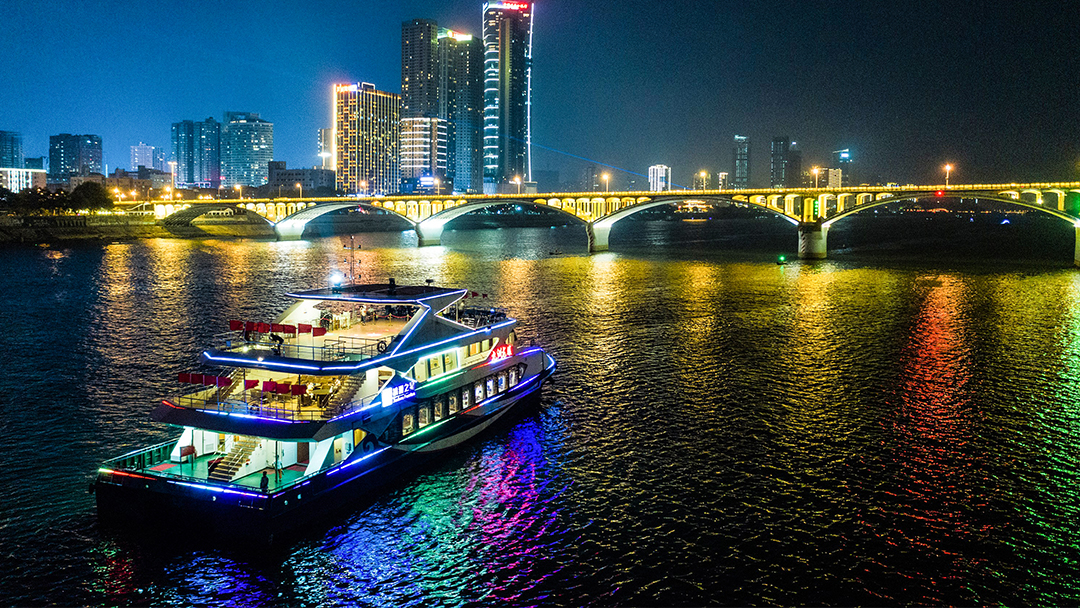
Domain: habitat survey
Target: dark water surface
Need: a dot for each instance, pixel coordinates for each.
(873, 429)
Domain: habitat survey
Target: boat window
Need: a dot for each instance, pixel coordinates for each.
(502, 382)
(485, 345)
(450, 361)
(440, 408)
(407, 424)
(465, 397)
(490, 385)
(420, 371)
(425, 415)
(474, 349)
(358, 436)
(513, 375)
(512, 338)
(479, 391)
(453, 402)
(435, 366)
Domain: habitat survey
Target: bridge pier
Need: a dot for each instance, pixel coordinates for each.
(813, 241)
(598, 236)
(428, 234)
(1076, 246)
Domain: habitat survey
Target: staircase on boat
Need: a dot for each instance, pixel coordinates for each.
(344, 395)
(231, 463)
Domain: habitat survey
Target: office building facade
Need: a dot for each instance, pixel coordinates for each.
(197, 153)
(740, 170)
(659, 178)
(461, 102)
(247, 147)
(73, 156)
(507, 94)
(367, 127)
(845, 162)
(441, 98)
(11, 150)
(143, 155)
(778, 157)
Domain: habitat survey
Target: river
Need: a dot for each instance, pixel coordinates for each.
(896, 425)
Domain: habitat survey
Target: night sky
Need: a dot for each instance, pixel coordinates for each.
(990, 87)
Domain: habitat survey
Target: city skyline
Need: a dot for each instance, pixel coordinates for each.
(906, 91)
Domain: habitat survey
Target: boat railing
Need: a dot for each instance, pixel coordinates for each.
(279, 408)
(336, 348)
(143, 458)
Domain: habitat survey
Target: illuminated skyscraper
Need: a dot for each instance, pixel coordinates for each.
(247, 147)
(461, 102)
(778, 161)
(142, 155)
(659, 178)
(441, 95)
(73, 155)
(366, 139)
(740, 172)
(507, 95)
(11, 152)
(197, 153)
(843, 160)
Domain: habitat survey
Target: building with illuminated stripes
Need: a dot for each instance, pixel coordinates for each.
(367, 129)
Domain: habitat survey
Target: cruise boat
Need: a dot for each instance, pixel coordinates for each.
(341, 394)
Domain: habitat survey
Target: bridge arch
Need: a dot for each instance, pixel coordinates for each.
(1009, 198)
(291, 228)
(600, 229)
(184, 215)
(429, 231)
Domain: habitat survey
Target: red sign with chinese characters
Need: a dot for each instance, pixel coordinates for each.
(516, 6)
(501, 352)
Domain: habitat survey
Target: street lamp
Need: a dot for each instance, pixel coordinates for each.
(363, 186)
(703, 175)
(607, 181)
(517, 180)
(815, 171)
(239, 191)
(948, 169)
(438, 187)
(301, 187)
(168, 190)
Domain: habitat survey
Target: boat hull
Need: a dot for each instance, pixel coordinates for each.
(170, 506)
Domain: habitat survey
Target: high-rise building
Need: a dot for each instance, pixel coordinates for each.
(441, 104)
(461, 103)
(659, 178)
(740, 170)
(11, 152)
(778, 157)
(424, 155)
(197, 153)
(247, 147)
(367, 127)
(34, 162)
(843, 160)
(701, 180)
(793, 168)
(326, 148)
(419, 69)
(73, 155)
(143, 155)
(722, 180)
(507, 94)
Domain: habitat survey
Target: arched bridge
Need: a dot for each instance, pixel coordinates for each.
(811, 210)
